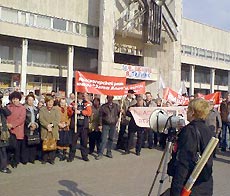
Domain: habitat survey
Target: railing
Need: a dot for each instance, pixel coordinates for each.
(33, 64)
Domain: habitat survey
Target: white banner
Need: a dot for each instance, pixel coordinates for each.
(141, 115)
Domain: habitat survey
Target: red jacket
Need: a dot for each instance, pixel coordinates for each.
(17, 119)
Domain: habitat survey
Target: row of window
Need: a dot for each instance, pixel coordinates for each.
(203, 53)
(203, 76)
(47, 22)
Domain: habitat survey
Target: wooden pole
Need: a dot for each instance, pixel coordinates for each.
(75, 113)
(120, 115)
(199, 166)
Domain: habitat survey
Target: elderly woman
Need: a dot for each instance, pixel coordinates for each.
(15, 123)
(64, 133)
(187, 147)
(49, 118)
(31, 128)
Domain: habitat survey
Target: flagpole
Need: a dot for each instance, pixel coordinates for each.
(75, 113)
(120, 115)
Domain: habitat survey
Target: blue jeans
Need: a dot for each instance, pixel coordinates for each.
(225, 126)
(108, 132)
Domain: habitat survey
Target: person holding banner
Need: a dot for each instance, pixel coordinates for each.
(83, 110)
(133, 128)
(129, 100)
(192, 140)
(148, 134)
(108, 117)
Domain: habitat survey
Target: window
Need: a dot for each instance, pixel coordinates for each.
(89, 31)
(9, 15)
(209, 54)
(220, 56)
(77, 28)
(23, 18)
(188, 50)
(59, 24)
(43, 21)
(70, 26)
(201, 52)
(31, 20)
(227, 58)
(83, 29)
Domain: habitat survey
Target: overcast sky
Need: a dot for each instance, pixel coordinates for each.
(212, 12)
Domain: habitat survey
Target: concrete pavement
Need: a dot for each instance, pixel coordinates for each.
(124, 175)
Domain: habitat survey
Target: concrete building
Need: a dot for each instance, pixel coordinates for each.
(43, 42)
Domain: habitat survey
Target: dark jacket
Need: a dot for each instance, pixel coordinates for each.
(28, 120)
(132, 124)
(186, 151)
(4, 112)
(224, 110)
(109, 114)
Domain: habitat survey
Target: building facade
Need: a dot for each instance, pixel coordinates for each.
(43, 42)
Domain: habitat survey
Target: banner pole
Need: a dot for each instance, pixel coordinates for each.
(199, 166)
(120, 115)
(75, 113)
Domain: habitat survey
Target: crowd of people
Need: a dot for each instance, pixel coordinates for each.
(28, 122)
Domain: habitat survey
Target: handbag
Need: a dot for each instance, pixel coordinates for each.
(64, 138)
(12, 142)
(33, 139)
(49, 144)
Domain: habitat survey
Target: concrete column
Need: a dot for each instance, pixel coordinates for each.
(228, 81)
(192, 73)
(69, 81)
(212, 80)
(106, 37)
(24, 65)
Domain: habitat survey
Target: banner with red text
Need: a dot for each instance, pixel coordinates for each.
(174, 97)
(138, 88)
(141, 115)
(99, 84)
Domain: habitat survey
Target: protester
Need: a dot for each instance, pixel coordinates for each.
(83, 110)
(195, 134)
(15, 123)
(225, 117)
(31, 128)
(128, 101)
(148, 133)
(213, 121)
(109, 114)
(94, 132)
(49, 117)
(4, 137)
(64, 133)
(71, 98)
(133, 128)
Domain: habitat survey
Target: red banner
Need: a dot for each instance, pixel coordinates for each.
(215, 97)
(174, 97)
(138, 88)
(99, 84)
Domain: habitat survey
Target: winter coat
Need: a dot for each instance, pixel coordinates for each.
(28, 120)
(47, 117)
(4, 112)
(186, 151)
(225, 111)
(109, 113)
(17, 119)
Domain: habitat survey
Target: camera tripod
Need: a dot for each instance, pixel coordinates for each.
(164, 161)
